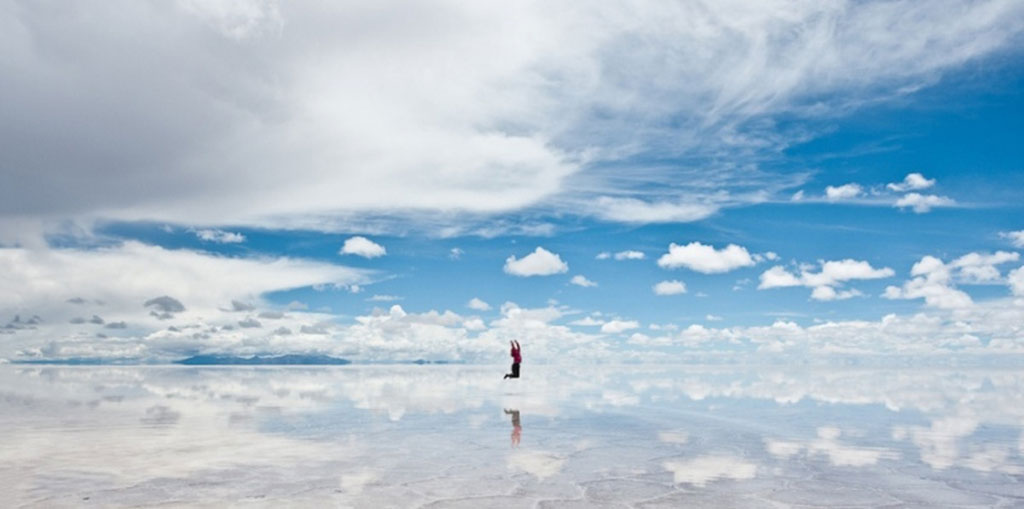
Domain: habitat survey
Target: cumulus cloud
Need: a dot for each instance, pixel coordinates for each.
(1016, 237)
(540, 262)
(618, 326)
(921, 204)
(832, 273)
(629, 255)
(250, 323)
(912, 182)
(672, 287)
(477, 304)
(1016, 281)
(220, 236)
(237, 305)
(843, 192)
(362, 246)
(604, 255)
(936, 281)
(580, 280)
(455, 253)
(143, 286)
(705, 258)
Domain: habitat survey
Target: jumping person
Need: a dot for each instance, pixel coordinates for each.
(517, 357)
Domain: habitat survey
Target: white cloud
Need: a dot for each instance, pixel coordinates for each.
(220, 236)
(384, 298)
(1016, 281)
(540, 262)
(912, 182)
(618, 326)
(603, 255)
(843, 192)
(362, 246)
(705, 258)
(826, 293)
(477, 304)
(935, 281)
(1016, 237)
(587, 321)
(923, 203)
(632, 210)
(629, 255)
(509, 124)
(713, 318)
(797, 196)
(580, 280)
(831, 274)
(140, 290)
(455, 253)
(669, 288)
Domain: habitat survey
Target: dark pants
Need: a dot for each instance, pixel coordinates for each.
(515, 371)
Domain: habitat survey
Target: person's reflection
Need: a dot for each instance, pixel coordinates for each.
(517, 429)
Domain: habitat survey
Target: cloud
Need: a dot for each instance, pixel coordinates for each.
(705, 258)
(250, 323)
(935, 281)
(127, 276)
(305, 132)
(1016, 238)
(923, 203)
(455, 253)
(384, 298)
(912, 182)
(540, 262)
(629, 255)
(618, 326)
(220, 236)
(580, 280)
(237, 305)
(166, 304)
(831, 274)
(478, 304)
(604, 255)
(670, 288)
(1016, 281)
(843, 192)
(587, 321)
(164, 307)
(362, 246)
(632, 210)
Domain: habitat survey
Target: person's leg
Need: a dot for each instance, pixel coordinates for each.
(515, 370)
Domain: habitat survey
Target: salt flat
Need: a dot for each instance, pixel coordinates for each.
(460, 436)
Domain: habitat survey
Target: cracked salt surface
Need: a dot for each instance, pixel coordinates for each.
(457, 436)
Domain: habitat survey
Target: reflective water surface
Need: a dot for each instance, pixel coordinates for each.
(453, 436)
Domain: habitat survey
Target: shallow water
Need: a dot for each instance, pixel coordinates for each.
(445, 436)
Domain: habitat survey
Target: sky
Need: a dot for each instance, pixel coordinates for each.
(613, 181)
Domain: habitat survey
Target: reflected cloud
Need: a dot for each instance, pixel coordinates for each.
(539, 464)
(369, 434)
(827, 444)
(702, 470)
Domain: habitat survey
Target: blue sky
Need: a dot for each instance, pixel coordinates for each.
(867, 178)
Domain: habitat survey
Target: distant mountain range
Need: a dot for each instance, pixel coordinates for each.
(291, 359)
(229, 360)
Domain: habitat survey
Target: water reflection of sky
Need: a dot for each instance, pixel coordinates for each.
(406, 436)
